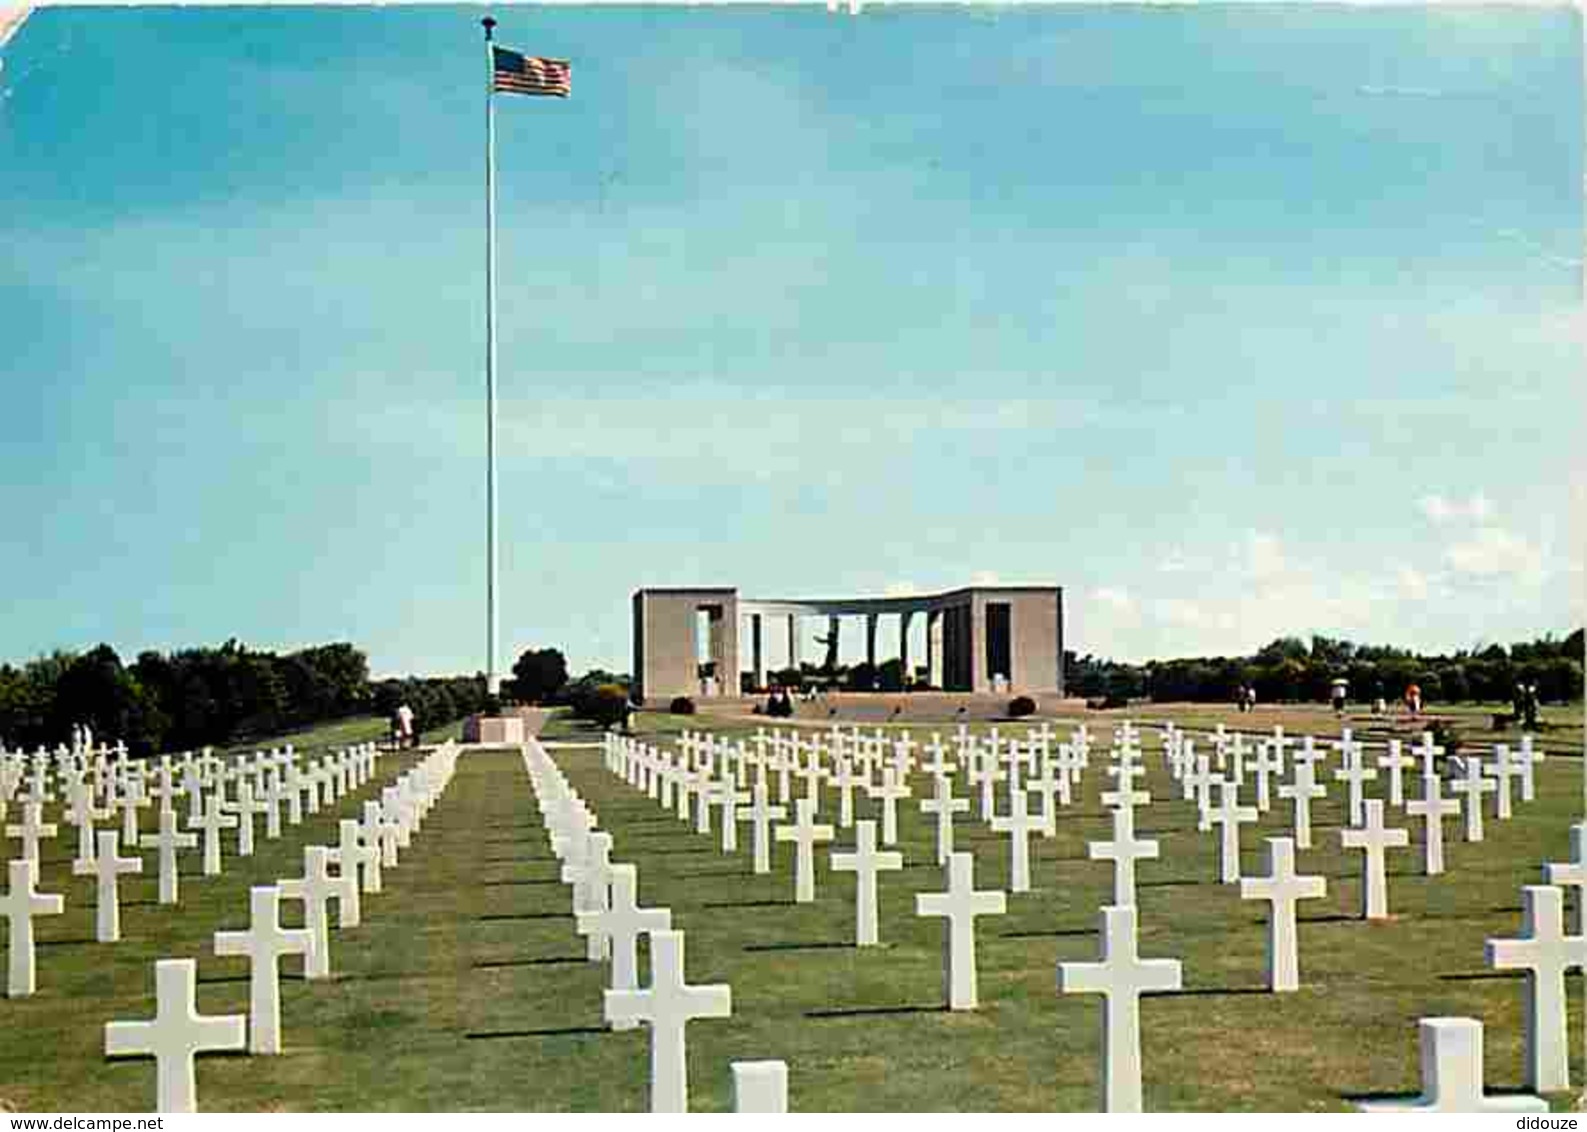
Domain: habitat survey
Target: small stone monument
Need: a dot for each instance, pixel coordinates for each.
(760, 1086)
(1452, 1072)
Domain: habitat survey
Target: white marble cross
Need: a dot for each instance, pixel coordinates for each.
(1354, 773)
(1202, 780)
(1452, 1073)
(619, 927)
(168, 841)
(1304, 789)
(1433, 808)
(760, 814)
(264, 943)
(1124, 850)
(1229, 816)
(1374, 840)
(730, 798)
(106, 869)
(960, 905)
(667, 1006)
(865, 863)
(1545, 952)
(586, 870)
(316, 888)
(32, 830)
(176, 1033)
(1049, 788)
(1019, 826)
(1503, 769)
(213, 821)
(1428, 752)
(988, 776)
(938, 764)
(892, 790)
(19, 906)
(355, 850)
(804, 833)
(82, 813)
(943, 805)
(1281, 888)
(844, 778)
(1473, 785)
(245, 807)
(760, 1086)
(1395, 760)
(1573, 873)
(1268, 761)
(1121, 976)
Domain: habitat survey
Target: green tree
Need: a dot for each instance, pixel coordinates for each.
(539, 674)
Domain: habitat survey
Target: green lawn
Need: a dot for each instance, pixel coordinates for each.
(466, 987)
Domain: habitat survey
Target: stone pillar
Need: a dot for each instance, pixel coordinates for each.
(870, 639)
(903, 643)
(934, 648)
(757, 656)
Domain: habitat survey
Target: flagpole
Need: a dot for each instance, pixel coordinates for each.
(492, 680)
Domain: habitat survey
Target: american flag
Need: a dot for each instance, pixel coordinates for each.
(513, 73)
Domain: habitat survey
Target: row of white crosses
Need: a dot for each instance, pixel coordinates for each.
(1451, 1048)
(606, 912)
(262, 783)
(959, 905)
(867, 860)
(1367, 830)
(178, 1033)
(346, 771)
(719, 775)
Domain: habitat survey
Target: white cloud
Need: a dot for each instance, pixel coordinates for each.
(984, 578)
(900, 589)
(1443, 510)
(1173, 562)
(1264, 557)
(1180, 611)
(1411, 583)
(1494, 552)
(1113, 598)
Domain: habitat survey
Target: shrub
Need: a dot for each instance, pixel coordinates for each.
(607, 705)
(1021, 706)
(681, 705)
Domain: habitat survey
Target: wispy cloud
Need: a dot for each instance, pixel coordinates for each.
(1491, 552)
(1441, 509)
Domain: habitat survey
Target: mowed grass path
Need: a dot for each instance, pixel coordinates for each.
(466, 987)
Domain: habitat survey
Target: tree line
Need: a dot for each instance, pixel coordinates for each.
(1290, 670)
(209, 696)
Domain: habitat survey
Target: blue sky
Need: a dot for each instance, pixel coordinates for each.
(1234, 321)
